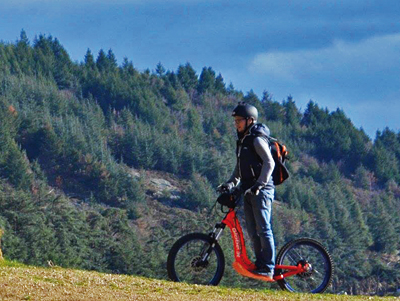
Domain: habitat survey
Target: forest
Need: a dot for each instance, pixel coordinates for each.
(73, 135)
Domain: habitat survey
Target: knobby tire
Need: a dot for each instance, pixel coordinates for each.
(184, 262)
(312, 251)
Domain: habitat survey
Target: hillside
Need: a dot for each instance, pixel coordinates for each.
(103, 167)
(19, 282)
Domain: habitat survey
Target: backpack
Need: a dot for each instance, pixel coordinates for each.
(278, 150)
(279, 153)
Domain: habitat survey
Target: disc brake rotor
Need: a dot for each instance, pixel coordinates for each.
(198, 265)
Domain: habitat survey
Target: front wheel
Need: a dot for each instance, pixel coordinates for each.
(306, 251)
(197, 259)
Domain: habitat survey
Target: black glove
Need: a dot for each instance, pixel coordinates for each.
(225, 187)
(255, 189)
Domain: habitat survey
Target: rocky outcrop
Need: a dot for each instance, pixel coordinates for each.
(162, 187)
(159, 185)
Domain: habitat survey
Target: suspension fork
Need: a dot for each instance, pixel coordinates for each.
(215, 235)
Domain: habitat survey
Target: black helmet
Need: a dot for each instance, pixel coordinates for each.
(245, 110)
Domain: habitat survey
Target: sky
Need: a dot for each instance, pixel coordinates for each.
(338, 53)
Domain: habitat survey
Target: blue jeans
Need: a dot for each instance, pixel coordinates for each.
(258, 213)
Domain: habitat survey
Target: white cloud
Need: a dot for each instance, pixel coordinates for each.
(338, 61)
(361, 77)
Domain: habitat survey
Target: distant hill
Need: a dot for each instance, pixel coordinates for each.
(103, 167)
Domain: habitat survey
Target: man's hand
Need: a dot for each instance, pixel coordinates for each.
(225, 187)
(254, 190)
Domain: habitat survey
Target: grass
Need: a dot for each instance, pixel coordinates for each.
(20, 282)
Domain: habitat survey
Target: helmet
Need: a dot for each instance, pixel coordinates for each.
(245, 110)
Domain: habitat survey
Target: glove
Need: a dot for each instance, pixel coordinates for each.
(254, 190)
(225, 187)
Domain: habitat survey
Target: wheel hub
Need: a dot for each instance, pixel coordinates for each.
(307, 267)
(198, 265)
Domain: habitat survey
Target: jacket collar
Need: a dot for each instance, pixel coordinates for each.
(246, 133)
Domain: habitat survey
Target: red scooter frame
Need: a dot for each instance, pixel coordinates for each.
(303, 264)
(242, 263)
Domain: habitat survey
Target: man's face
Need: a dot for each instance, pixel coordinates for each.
(240, 123)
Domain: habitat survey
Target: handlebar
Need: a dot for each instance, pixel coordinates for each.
(229, 197)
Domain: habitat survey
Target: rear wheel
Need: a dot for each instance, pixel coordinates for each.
(311, 254)
(196, 258)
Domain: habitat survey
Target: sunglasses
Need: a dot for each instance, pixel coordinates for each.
(237, 121)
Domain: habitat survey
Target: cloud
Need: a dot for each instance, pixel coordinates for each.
(340, 61)
(361, 77)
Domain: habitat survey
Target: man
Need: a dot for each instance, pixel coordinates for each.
(254, 173)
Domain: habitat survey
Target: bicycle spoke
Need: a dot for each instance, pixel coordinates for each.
(318, 272)
(192, 260)
(293, 261)
(316, 276)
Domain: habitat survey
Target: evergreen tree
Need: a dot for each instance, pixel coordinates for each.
(160, 70)
(112, 61)
(362, 178)
(385, 164)
(385, 236)
(292, 115)
(23, 38)
(219, 84)
(273, 111)
(313, 115)
(16, 166)
(194, 124)
(187, 77)
(24, 54)
(102, 61)
(206, 81)
(389, 140)
(89, 60)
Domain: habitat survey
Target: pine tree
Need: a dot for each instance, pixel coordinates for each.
(206, 81)
(24, 54)
(160, 70)
(385, 164)
(89, 60)
(362, 178)
(219, 84)
(187, 77)
(385, 236)
(102, 61)
(129, 69)
(292, 115)
(273, 111)
(112, 61)
(313, 115)
(15, 166)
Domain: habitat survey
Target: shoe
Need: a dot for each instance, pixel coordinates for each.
(264, 272)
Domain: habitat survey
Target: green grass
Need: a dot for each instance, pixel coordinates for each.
(21, 282)
(12, 264)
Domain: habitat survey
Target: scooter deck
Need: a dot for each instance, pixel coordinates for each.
(245, 272)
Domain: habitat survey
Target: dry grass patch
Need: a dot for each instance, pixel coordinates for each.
(18, 282)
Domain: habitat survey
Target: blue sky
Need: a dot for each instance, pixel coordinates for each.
(342, 54)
